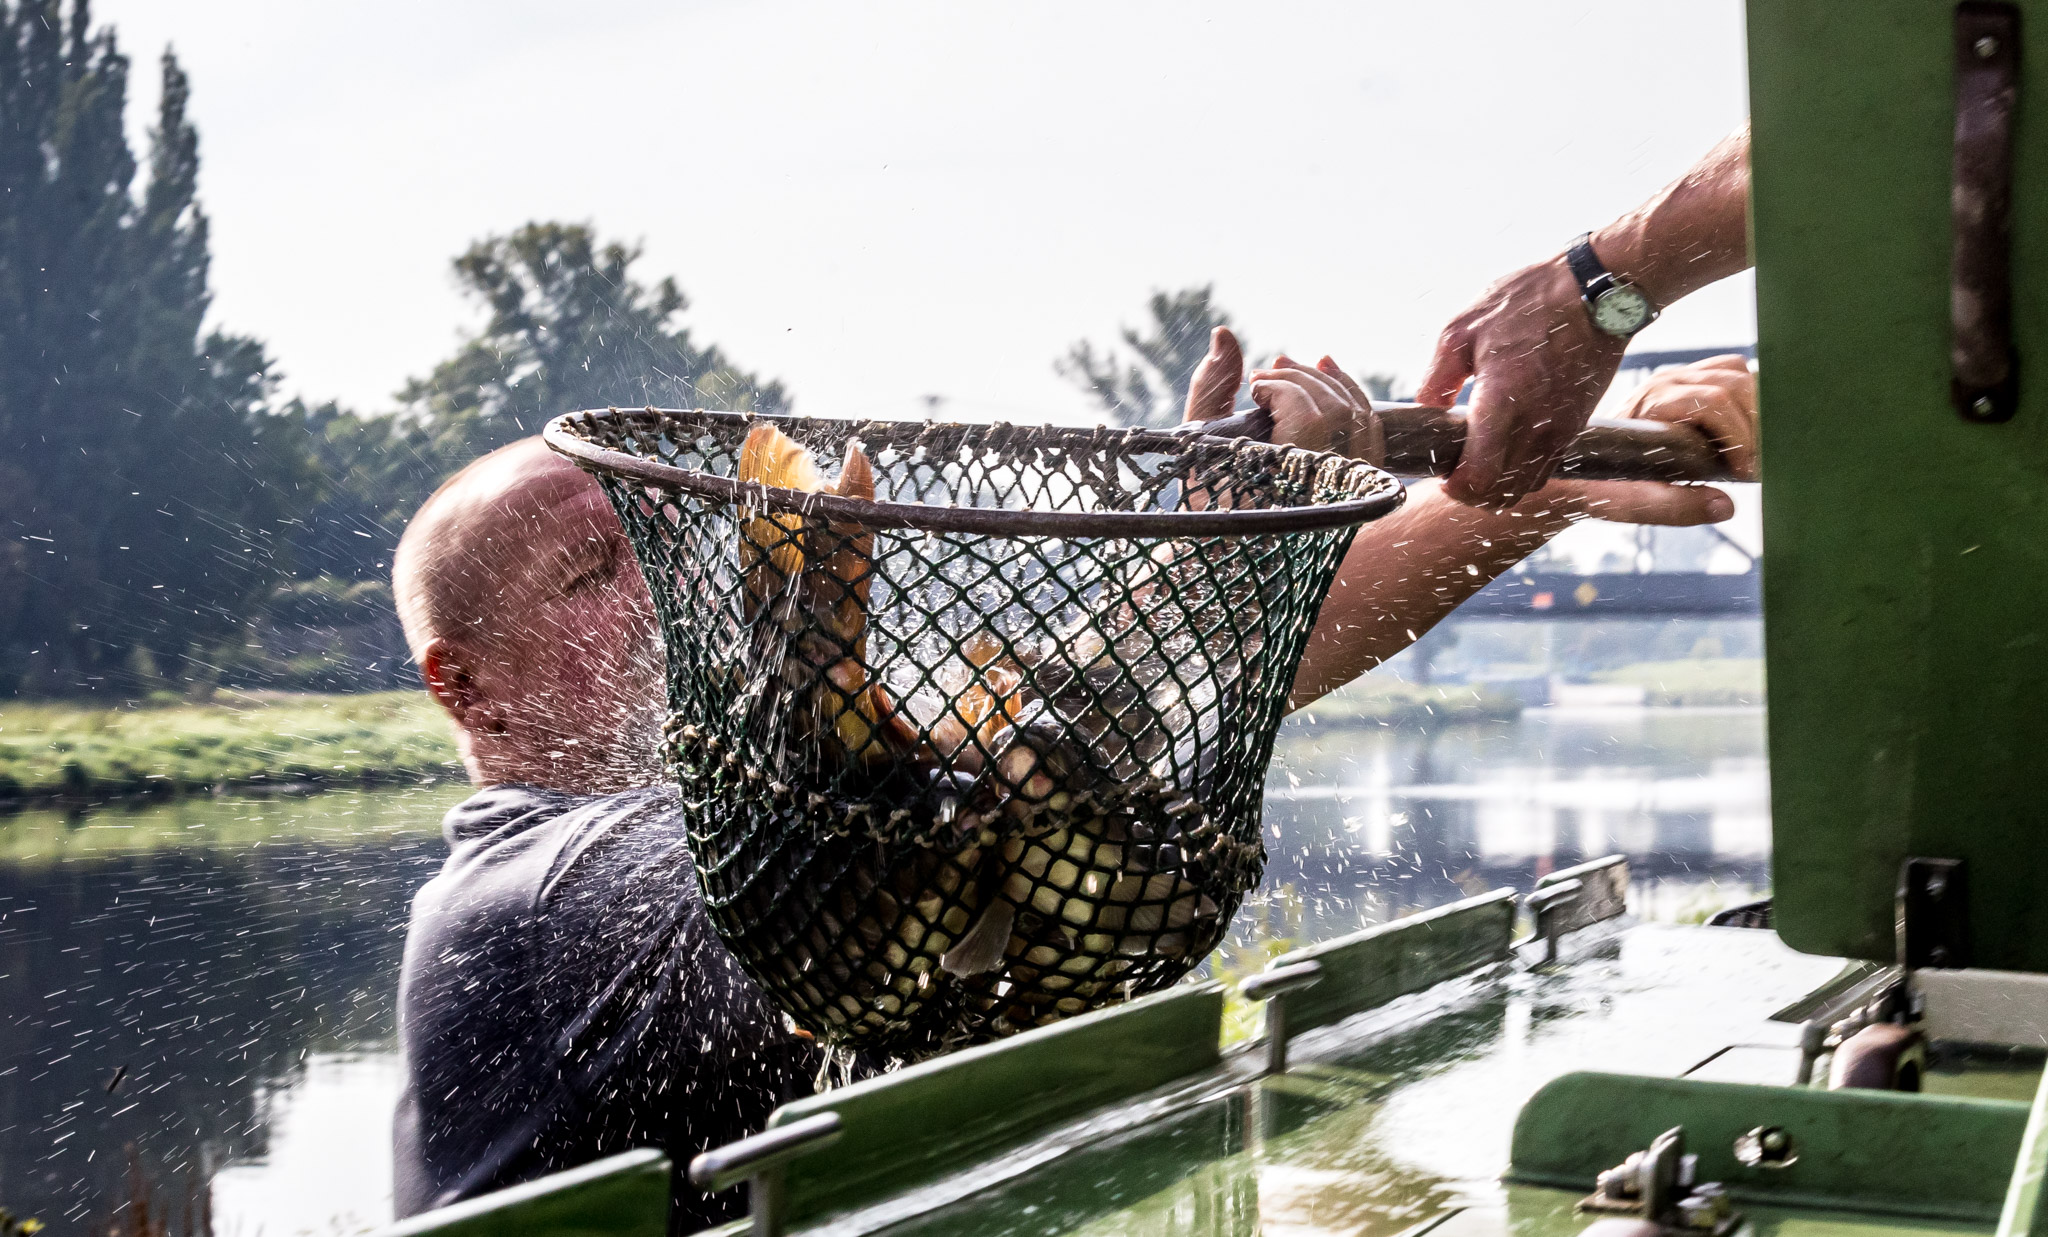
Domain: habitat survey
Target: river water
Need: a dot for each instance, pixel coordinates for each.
(198, 995)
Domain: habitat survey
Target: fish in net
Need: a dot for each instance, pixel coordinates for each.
(971, 738)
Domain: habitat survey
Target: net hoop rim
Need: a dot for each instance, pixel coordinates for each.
(560, 437)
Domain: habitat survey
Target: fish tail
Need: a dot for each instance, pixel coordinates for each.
(849, 567)
(772, 458)
(982, 949)
(870, 725)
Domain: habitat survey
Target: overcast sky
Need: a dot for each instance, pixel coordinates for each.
(875, 202)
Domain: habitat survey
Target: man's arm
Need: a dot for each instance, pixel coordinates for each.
(1406, 571)
(1540, 362)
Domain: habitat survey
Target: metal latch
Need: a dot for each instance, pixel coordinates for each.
(1658, 1187)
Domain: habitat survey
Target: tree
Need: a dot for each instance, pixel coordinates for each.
(569, 328)
(143, 476)
(1151, 389)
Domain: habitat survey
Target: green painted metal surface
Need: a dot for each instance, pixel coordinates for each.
(1376, 1135)
(1868, 1151)
(1185, 1174)
(1531, 1211)
(1370, 968)
(918, 1124)
(2025, 1213)
(1906, 551)
(623, 1196)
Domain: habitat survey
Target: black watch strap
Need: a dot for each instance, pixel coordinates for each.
(1591, 273)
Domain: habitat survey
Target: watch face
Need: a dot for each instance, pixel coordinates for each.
(1622, 310)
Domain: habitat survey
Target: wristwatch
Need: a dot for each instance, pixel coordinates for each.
(1618, 307)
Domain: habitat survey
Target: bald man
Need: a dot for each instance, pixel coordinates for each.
(563, 996)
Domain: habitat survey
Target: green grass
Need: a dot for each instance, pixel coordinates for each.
(55, 751)
(1694, 683)
(1375, 700)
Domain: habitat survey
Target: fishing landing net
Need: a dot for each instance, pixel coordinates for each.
(971, 722)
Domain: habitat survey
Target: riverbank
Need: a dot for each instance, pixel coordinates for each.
(1390, 702)
(292, 740)
(237, 741)
(1703, 683)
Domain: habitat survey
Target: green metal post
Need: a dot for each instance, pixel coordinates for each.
(2026, 1204)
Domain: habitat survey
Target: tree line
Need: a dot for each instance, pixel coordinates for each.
(169, 518)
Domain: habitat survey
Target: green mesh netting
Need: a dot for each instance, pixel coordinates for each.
(986, 751)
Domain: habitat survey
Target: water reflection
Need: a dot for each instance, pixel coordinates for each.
(167, 969)
(235, 961)
(1367, 823)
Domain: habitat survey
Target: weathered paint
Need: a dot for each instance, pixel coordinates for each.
(931, 1119)
(1906, 551)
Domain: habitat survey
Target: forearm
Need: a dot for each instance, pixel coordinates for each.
(1691, 233)
(1408, 570)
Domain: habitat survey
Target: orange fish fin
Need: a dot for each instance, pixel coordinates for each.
(856, 475)
(1011, 711)
(851, 561)
(981, 648)
(772, 458)
(875, 729)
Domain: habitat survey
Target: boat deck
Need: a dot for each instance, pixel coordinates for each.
(1403, 1116)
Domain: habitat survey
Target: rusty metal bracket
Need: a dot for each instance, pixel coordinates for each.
(1984, 381)
(1933, 912)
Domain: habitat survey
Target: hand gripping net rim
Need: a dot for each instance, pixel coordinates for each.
(987, 749)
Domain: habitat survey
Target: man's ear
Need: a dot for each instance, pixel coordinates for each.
(445, 665)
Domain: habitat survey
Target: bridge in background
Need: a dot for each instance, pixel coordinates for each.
(1615, 595)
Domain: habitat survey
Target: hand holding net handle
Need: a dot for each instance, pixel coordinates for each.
(1426, 442)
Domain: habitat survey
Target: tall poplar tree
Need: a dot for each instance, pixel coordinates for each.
(141, 480)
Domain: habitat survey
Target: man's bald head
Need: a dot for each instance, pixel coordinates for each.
(521, 605)
(469, 541)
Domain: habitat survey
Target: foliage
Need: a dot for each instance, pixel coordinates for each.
(160, 504)
(569, 327)
(51, 750)
(1152, 388)
(141, 475)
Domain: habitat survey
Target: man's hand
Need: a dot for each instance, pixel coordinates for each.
(1541, 366)
(1405, 571)
(1716, 398)
(1321, 409)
